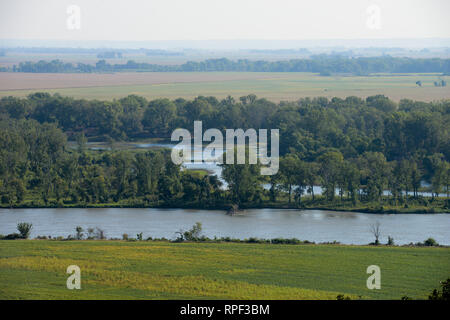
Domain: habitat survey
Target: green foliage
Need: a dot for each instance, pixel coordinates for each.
(354, 149)
(79, 233)
(430, 242)
(244, 180)
(191, 235)
(390, 241)
(12, 236)
(25, 229)
(441, 295)
(285, 241)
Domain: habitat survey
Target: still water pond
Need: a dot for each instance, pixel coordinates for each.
(313, 225)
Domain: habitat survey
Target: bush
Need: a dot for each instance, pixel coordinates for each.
(24, 229)
(390, 241)
(79, 230)
(430, 242)
(12, 236)
(285, 241)
(444, 295)
(90, 233)
(191, 235)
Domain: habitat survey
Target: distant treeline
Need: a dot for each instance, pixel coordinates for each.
(325, 65)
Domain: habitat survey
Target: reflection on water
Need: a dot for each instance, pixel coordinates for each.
(313, 225)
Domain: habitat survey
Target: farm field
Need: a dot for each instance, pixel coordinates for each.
(273, 86)
(36, 269)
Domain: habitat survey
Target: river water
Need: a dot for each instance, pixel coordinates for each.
(312, 225)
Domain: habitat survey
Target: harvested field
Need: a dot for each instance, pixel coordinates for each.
(23, 81)
(273, 86)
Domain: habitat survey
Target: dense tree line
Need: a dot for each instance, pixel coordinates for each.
(359, 148)
(36, 164)
(308, 127)
(325, 65)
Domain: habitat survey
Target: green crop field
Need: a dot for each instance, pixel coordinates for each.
(273, 86)
(36, 269)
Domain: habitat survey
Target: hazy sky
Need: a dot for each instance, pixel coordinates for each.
(143, 20)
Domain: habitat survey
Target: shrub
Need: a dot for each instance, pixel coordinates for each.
(444, 295)
(390, 241)
(12, 236)
(285, 241)
(342, 297)
(430, 242)
(25, 229)
(79, 230)
(192, 235)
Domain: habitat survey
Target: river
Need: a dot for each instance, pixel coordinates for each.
(312, 225)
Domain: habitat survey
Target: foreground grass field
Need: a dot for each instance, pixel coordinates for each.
(36, 269)
(275, 86)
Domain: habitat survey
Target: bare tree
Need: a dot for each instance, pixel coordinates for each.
(376, 231)
(99, 234)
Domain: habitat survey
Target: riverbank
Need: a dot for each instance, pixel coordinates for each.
(438, 207)
(36, 269)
